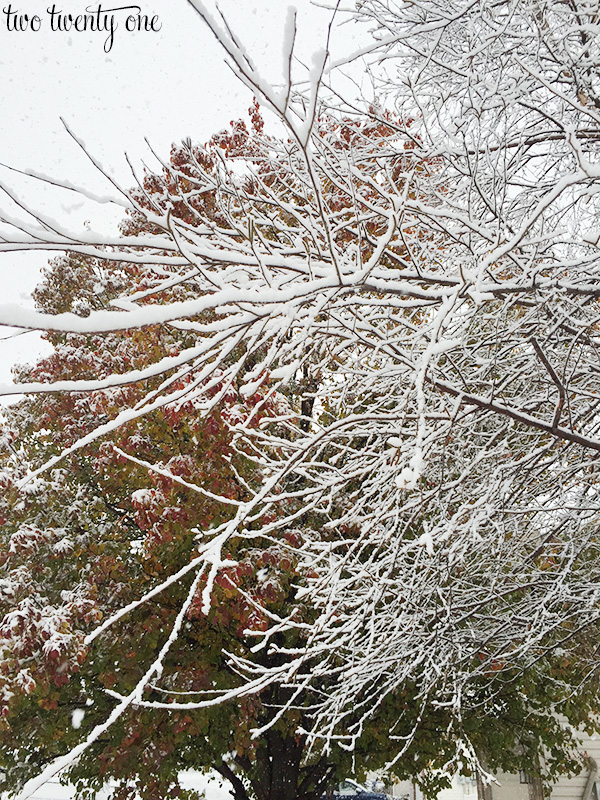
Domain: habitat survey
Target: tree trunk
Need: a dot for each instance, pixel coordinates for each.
(239, 790)
(279, 773)
(536, 786)
(484, 789)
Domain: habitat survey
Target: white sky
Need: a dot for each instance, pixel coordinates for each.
(164, 86)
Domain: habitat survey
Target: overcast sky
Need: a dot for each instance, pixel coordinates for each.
(164, 85)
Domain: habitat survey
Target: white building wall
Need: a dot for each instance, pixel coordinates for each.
(572, 788)
(509, 786)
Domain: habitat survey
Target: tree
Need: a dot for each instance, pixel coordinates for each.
(435, 288)
(95, 535)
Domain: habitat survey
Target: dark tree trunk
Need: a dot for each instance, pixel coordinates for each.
(239, 790)
(277, 773)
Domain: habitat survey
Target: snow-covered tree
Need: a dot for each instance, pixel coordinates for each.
(424, 281)
(98, 530)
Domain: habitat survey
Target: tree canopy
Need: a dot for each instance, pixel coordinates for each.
(108, 526)
(404, 295)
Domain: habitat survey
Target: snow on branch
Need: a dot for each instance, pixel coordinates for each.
(393, 313)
